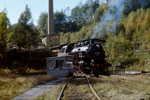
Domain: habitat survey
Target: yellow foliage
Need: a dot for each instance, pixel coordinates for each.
(137, 27)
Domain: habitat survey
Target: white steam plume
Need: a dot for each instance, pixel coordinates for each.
(109, 21)
(113, 15)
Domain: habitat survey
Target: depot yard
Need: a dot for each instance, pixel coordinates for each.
(114, 87)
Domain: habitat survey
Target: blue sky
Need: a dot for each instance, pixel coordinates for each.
(16, 7)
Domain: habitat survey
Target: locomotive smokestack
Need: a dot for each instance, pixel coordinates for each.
(50, 18)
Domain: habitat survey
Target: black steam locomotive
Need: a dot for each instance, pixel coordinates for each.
(89, 57)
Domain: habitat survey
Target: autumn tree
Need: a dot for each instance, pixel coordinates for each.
(3, 32)
(101, 10)
(118, 49)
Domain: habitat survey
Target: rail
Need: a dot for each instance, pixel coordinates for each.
(97, 96)
(92, 89)
(61, 93)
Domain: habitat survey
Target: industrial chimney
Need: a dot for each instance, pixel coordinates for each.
(50, 18)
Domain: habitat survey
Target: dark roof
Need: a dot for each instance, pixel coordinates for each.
(58, 47)
(93, 39)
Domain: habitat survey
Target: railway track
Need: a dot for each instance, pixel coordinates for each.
(88, 82)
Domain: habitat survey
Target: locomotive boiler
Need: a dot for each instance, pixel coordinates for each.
(89, 57)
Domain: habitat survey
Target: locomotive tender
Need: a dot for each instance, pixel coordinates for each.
(89, 56)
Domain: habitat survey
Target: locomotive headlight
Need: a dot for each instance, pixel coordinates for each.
(98, 46)
(92, 61)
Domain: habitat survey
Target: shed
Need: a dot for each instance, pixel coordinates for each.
(60, 66)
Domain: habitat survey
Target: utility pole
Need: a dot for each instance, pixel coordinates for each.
(50, 18)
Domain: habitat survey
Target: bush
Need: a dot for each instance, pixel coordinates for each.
(118, 49)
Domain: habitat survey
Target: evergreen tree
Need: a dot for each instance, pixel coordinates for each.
(25, 35)
(131, 5)
(43, 24)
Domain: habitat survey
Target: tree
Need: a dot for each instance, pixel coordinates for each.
(118, 49)
(25, 35)
(3, 32)
(101, 10)
(43, 24)
(97, 1)
(79, 14)
(76, 14)
(90, 15)
(131, 5)
(60, 19)
(95, 5)
(135, 28)
(89, 2)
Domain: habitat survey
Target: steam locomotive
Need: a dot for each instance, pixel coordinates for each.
(89, 56)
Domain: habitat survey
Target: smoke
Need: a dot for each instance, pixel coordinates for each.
(113, 15)
(109, 21)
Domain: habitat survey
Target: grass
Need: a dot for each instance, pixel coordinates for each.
(12, 84)
(76, 89)
(138, 67)
(123, 87)
(115, 87)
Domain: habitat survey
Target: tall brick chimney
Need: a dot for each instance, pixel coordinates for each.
(50, 18)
